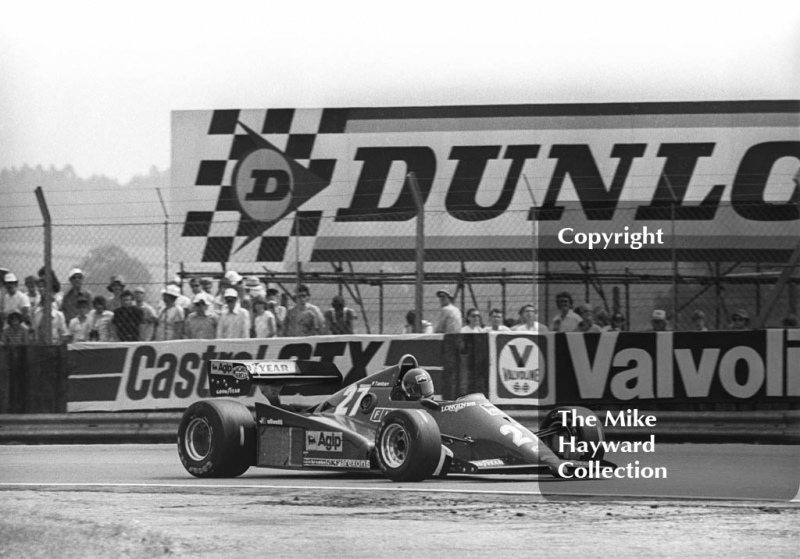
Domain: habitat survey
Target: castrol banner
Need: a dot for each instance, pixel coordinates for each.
(608, 181)
(630, 367)
(171, 375)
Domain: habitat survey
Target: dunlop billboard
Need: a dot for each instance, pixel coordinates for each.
(275, 185)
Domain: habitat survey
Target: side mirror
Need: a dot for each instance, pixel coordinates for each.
(429, 404)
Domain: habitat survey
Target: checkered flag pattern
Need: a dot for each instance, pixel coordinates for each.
(225, 229)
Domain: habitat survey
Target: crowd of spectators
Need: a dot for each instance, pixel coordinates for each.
(246, 307)
(240, 308)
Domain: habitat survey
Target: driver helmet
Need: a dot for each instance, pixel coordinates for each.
(417, 383)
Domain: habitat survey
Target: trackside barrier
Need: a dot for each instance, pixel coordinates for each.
(773, 427)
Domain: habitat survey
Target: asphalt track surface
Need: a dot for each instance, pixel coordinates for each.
(694, 471)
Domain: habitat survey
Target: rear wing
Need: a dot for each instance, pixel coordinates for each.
(236, 378)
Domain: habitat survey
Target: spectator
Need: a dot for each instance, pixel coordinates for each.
(587, 324)
(55, 285)
(566, 320)
(194, 285)
(496, 322)
(275, 307)
(339, 319)
(207, 284)
(16, 300)
(3, 272)
(252, 288)
(790, 321)
(529, 324)
(79, 328)
(602, 320)
(474, 323)
(617, 323)
(234, 322)
(150, 314)
(171, 317)
(449, 317)
(58, 326)
(201, 324)
(304, 318)
(411, 319)
(699, 321)
(15, 333)
(69, 303)
(128, 319)
(32, 290)
(116, 286)
(740, 320)
(658, 321)
(182, 301)
(101, 328)
(264, 325)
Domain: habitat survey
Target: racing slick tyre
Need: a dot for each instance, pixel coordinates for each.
(217, 438)
(581, 432)
(408, 445)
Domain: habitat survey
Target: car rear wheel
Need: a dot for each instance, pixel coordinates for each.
(217, 438)
(580, 431)
(408, 445)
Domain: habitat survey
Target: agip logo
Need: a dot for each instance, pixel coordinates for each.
(522, 367)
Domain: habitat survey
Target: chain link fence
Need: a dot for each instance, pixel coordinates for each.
(713, 272)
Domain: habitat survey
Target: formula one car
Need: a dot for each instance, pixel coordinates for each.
(386, 422)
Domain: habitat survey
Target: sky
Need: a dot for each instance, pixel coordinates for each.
(92, 84)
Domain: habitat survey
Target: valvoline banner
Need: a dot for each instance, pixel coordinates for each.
(631, 367)
(274, 185)
(172, 375)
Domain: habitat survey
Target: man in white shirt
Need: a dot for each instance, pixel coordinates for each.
(566, 320)
(449, 317)
(529, 323)
(234, 321)
(15, 300)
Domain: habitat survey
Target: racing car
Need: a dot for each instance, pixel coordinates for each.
(386, 422)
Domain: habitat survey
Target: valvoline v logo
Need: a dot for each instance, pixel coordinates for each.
(268, 185)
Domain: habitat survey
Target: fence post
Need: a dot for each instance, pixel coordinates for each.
(420, 252)
(166, 236)
(46, 328)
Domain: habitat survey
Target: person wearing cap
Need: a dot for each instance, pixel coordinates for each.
(15, 333)
(740, 320)
(101, 329)
(658, 321)
(201, 324)
(529, 322)
(69, 304)
(150, 314)
(171, 317)
(450, 321)
(565, 320)
(699, 321)
(128, 319)
(234, 321)
(264, 325)
(15, 300)
(339, 319)
(116, 286)
(251, 288)
(304, 318)
(79, 328)
(276, 308)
